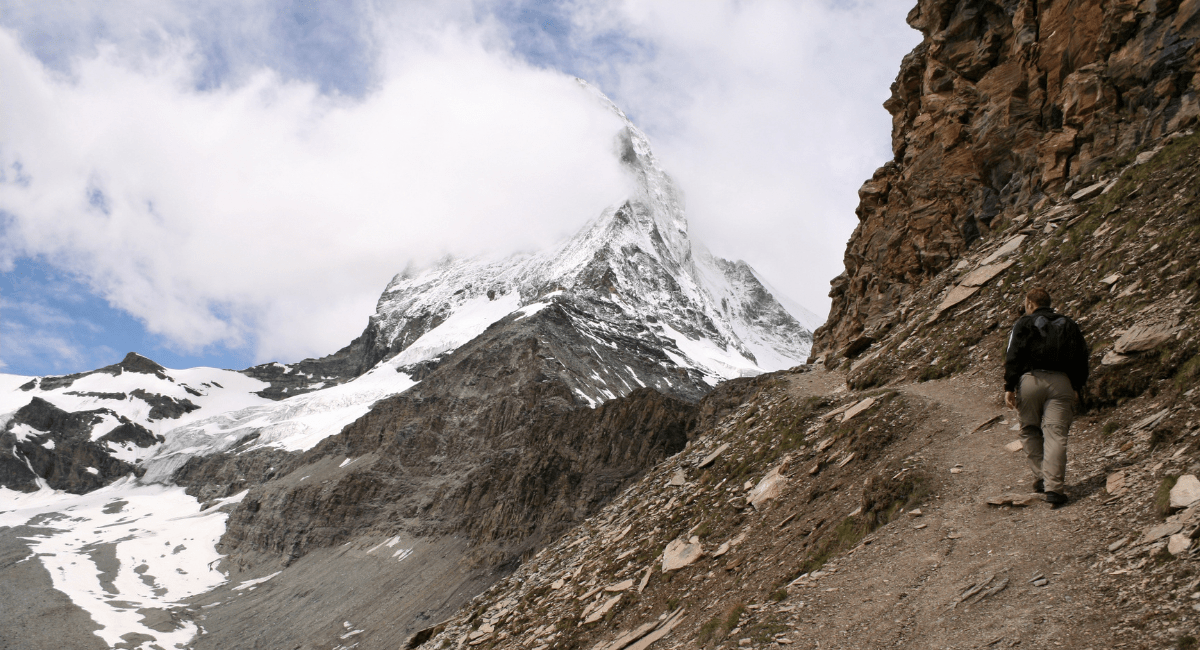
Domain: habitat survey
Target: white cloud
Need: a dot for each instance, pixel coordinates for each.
(269, 214)
(270, 207)
(768, 113)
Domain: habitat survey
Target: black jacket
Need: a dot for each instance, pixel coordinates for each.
(1028, 349)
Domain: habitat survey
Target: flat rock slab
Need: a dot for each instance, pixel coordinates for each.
(603, 609)
(1186, 491)
(1113, 359)
(620, 586)
(1008, 247)
(956, 296)
(984, 274)
(859, 408)
(1089, 192)
(769, 488)
(678, 478)
(1151, 421)
(1143, 336)
(679, 554)
(1155, 533)
(709, 459)
(1014, 446)
(1017, 500)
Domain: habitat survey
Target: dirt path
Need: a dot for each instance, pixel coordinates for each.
(901, 587)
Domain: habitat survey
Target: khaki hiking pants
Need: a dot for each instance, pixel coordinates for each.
(1046, 404)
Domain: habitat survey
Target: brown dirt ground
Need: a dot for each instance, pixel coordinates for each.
(897, 590)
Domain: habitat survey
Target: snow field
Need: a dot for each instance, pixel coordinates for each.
(162, 544)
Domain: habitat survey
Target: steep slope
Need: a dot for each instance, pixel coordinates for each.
(489, 406)
(886, 506)
(1004, 104)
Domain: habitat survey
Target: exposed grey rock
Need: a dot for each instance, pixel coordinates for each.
(679, 554)
(709, 459)
(1186, 491)
(1178, 543)
(61, 452)
(1155, 533)
(984, 274)
(859, 408)
(1142, 337)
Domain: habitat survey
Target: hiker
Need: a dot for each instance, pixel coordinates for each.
(1044, 371)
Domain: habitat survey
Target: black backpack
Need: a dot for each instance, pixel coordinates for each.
(1053, 346)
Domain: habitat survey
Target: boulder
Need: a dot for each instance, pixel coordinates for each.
(1178, 543)
(1186, 491)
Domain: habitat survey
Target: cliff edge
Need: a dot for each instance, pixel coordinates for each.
(1002, 105)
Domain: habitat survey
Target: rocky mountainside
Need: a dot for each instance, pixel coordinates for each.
(879, 498)
(489, 406)
(1004, 105)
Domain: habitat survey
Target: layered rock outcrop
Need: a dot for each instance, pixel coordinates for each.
(1003, 104)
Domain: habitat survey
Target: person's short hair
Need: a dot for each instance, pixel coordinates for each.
(1039, 297)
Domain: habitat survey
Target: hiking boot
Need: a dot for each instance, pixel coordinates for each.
(1039, 486)
(1056, 498)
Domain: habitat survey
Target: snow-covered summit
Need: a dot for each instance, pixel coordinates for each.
(712, 315)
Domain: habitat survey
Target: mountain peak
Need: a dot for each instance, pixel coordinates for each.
(635, 258)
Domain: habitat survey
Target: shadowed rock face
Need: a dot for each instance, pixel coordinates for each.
(61, 451)
(493, 444)
(1004, 103)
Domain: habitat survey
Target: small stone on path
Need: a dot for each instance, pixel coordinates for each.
(1018, 500)
(1014, 446)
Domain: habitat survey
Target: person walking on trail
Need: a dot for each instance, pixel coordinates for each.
(1045, 369)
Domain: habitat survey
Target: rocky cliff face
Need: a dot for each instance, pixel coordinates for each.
(494, 443)
(45, 446)
(1004, 104)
